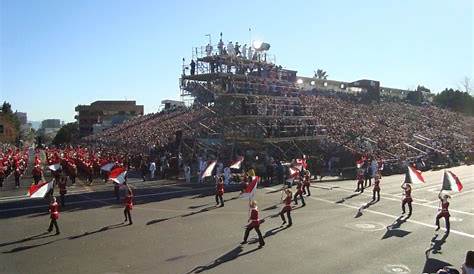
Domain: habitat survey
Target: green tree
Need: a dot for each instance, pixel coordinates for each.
(415, 97)
(455, 100)
(423, 89)
(320, 74)
(7, 108)
(67, 134)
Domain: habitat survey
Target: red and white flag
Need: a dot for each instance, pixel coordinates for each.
(107, 167)
(237, 163)
(414, 176)
(208, 171)
(40, 190)
(251, 189)
(118, 175)
(55, 167)
(451, 182)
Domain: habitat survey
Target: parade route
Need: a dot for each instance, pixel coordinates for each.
(177, 229)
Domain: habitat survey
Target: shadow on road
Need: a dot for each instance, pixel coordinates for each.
(347, 198)
(394, 230)
(35, 237)
(436, 244)
(229, 256)
(105, 228)
(26, 247)
(433, 265)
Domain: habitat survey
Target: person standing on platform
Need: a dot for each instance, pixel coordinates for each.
(254, 223)
(407, 198)
(287, 208)
(444, 212)
(54, 215)
(62, 190)
(193, 67)
(128, 206)
(219, 191)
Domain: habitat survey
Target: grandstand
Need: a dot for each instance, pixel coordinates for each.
(249, 105)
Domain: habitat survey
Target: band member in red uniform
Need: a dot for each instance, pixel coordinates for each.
(254, 223)
(376, 189)
(306, 183)
(72, 172)
(299, 192)
(37, 174)
(17, 175)
(54, 215)
(407, 198)
(444, 212)
(220, 191)
(287, 208)
(360, 181)
(2, 175)
(128, 206)
(62, 189)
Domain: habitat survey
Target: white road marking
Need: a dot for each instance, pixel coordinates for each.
(388, 215)
(399, 200)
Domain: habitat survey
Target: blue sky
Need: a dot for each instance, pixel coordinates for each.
(57, 54)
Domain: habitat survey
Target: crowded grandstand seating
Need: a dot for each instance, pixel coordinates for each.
(386, 130)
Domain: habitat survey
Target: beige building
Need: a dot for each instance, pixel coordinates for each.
(93, 115)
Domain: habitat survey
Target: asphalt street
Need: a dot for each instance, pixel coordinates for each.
(178, 229)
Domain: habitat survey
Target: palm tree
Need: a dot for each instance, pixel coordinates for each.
(320, 74)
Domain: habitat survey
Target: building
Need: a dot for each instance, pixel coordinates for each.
(168, 105)
(51, 123)
(102, 114)
(8, 132)
(22, 117)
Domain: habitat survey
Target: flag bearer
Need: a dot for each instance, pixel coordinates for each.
(287, 208)
(444, 212)
(128, 206)
(220, 191)
(407, 198)
(254, 223)
(54, 215)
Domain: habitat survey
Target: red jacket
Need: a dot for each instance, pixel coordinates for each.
(54, 210)
(220, 188)
(254, 220)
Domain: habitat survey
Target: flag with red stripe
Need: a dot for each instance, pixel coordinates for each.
(414, 176)
(251, 189)
(237, 163)
(208, 171)
(451, 182)
(40, 190)
(118, 175)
